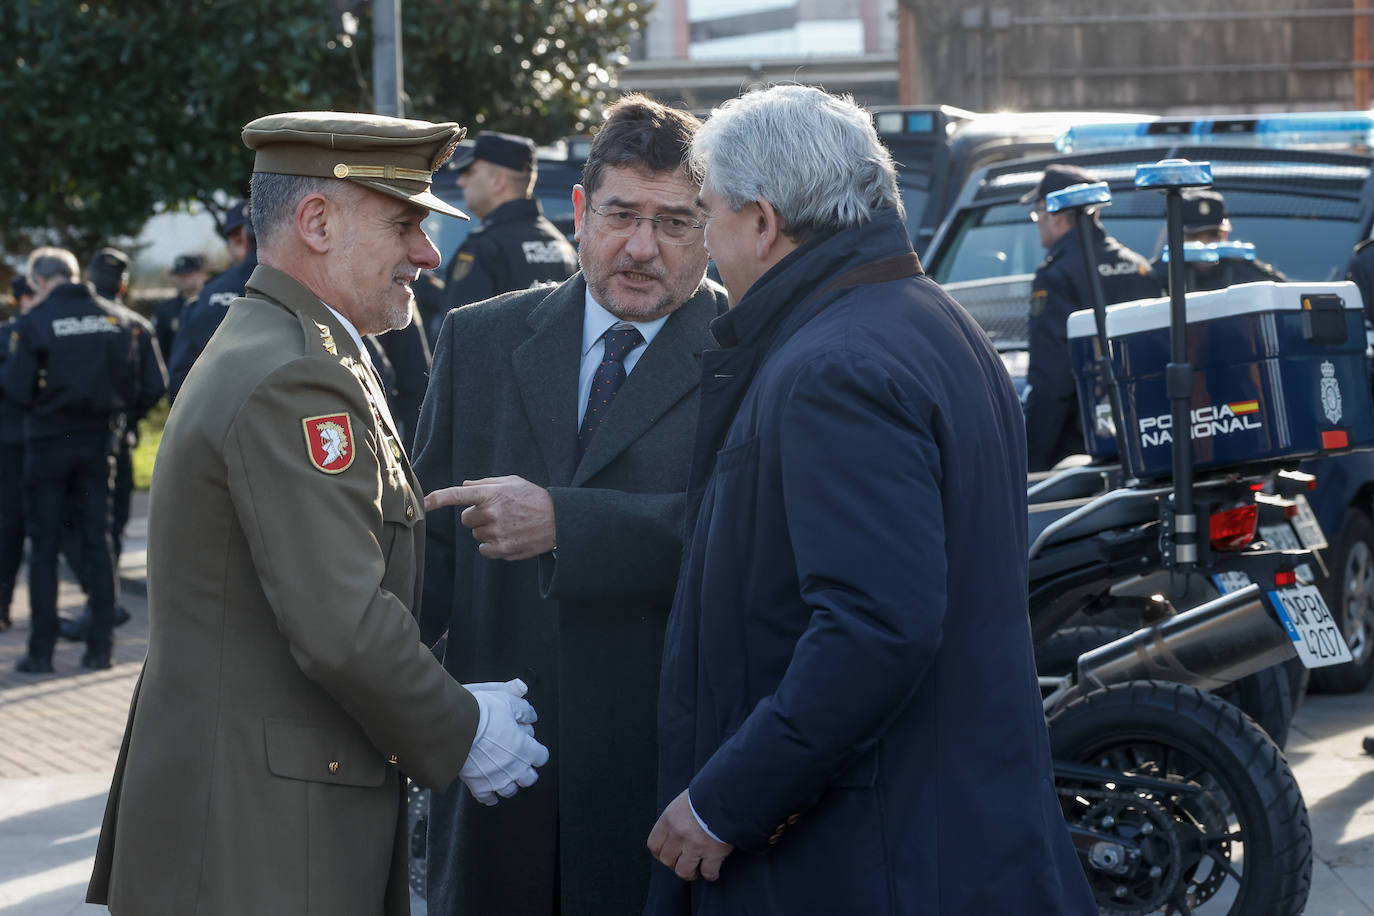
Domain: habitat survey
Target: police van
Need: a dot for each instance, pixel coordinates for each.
(937, 147)
(1300, 187)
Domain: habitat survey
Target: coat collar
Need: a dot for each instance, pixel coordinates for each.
(796, 277)
(546, 367)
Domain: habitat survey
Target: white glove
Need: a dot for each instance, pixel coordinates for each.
(504, 752)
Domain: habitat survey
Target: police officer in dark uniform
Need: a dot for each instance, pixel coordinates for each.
(188, 275)
(1204, 220)
(109, 274)
(1060, 287)
(73, 364)
(11, 461)
(202, 318)
(515, 247)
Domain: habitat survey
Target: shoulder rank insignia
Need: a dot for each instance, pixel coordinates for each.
(329, 442)
(327, 339)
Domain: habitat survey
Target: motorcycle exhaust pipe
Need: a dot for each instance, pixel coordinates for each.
(1207, 647)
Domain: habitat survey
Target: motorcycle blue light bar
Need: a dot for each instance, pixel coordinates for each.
(1307, 129)
(1196, 253)
(1235, 251)
(1173, 173)
(1079, 195)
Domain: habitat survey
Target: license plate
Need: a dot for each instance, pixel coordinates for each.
(1309, 624)
(1228, 582)
(1308, 529)
(1280, 536)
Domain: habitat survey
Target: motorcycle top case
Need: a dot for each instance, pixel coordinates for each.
(1279, 373)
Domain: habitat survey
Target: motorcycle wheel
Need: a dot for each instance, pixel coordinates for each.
(1234, 839)
(1265, 696)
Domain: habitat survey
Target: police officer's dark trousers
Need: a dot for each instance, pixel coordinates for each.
(11, 520)
(68, 476)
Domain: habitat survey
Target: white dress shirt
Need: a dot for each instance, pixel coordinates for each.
(596, 321)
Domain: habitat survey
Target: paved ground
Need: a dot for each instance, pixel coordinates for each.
(60, 733)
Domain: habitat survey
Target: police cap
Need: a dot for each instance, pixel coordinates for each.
(188, 264)
(395, 156)
(109, 267)
(1204, 210)
(509, 150)
(1057, 177)
(237, 215)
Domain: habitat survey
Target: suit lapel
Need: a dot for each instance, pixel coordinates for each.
(546, 368)
(666, 372)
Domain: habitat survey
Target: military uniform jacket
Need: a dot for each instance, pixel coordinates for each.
(514, 248)
(1060, 288)
(286, 689)
(584, 630)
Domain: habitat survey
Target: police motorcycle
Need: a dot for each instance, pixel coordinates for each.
(1176, 801)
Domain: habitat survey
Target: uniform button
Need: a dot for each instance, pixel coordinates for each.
(410, 513)
(333, 767)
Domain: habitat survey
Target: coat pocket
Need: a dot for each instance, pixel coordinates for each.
(302, 749)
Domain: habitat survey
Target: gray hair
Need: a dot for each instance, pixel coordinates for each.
(274, 197)
(813, 156)
(48, 262)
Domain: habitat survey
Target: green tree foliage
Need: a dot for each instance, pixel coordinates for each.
(543, 69)
(111, 108)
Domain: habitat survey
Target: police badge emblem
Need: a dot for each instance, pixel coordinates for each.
(1331, 393)
(329, 442)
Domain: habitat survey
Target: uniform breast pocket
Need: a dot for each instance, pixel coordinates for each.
(315, 752)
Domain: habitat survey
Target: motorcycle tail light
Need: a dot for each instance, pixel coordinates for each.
(1284, 578)
(1234, 528)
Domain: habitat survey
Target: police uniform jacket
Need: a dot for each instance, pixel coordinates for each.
(854, 706)
(1204, 277)
(73, 363)
(286, 690)
(166, 320)
(514, 248)
(11, 414)
(202, 318)
(583, 626)
(1060, 288)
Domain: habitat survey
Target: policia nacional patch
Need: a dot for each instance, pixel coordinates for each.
(329, 442)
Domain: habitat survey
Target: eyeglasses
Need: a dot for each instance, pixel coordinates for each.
(674, 230)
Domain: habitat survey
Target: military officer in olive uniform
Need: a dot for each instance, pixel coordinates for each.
(286, 693)
(1061, 287)
(1205, 221)
(515, 247)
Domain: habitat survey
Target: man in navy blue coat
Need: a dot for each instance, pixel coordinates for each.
(849, 720)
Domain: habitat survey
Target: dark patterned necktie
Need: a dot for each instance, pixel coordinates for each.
(610, 375)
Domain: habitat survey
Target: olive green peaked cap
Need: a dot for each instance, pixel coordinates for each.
(396, 156)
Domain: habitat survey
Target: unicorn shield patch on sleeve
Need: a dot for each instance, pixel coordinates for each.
(329, 440)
